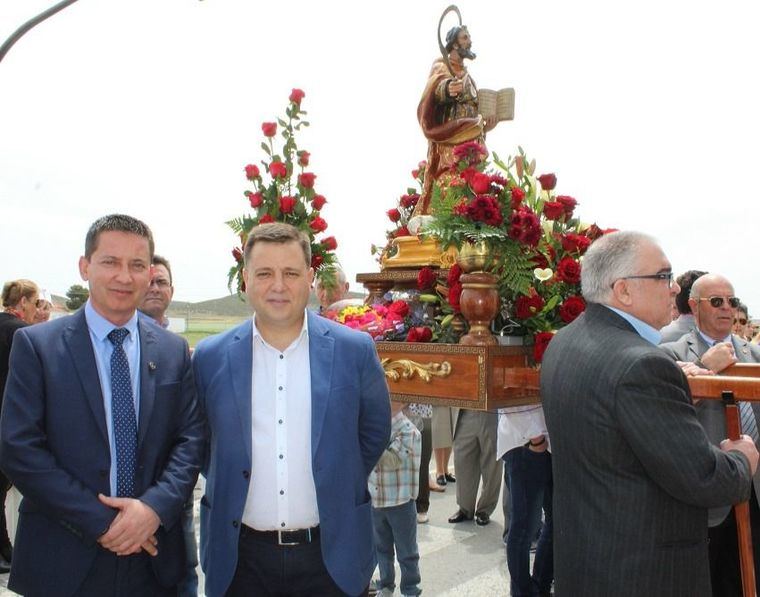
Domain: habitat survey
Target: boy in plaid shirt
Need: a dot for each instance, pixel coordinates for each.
(394, 485)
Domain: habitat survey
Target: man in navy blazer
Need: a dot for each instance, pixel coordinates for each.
(76, 534)
(299, 414)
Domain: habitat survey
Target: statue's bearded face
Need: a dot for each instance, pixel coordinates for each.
(463, 45)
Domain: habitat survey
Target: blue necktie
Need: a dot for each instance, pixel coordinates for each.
(749, 422)
(123, 416)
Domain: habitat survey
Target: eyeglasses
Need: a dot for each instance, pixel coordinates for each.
(160, 282)
(717, 301)
(741, 321)
(668, 276)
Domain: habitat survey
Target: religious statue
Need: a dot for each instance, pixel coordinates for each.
(449, 111)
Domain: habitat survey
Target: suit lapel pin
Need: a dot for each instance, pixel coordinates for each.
(151, 366)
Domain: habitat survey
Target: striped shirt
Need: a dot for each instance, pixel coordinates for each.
(395, 479)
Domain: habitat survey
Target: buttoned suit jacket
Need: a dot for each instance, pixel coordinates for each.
(634, 472)
(350, 428)
(711, 413)
(54, 447)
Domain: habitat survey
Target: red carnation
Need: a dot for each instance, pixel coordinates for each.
(575, 243)
(568, 270)
(278, 170)
(548, 181)
(485, 208)
(409, 200)
(394, 215)
(419, 334)
(540, 260)
(480, 183)
(251, 172)
(303, 158)
(329, 243)
(499, 180)
(296, 96)
(471, 152)
(540, 342)
(571, 308)
(455, 290)
(568, 204)
(403, 231)
(266, 219)
(454, 273)
(318, 225)
(554, 210)
(287, 204)
(318, 202)
(528, 306)
(517, 197)
(426, 278)
(399, 308)
(467, 174)
(269, 129)
(237, 254)
(316, 261)
(256, 199)
(306, 180)
(524, 226)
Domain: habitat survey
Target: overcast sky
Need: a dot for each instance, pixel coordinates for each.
(647, 111)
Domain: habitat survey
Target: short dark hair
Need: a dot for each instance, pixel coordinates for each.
(158, 260)
(743, 308)
(452, 35)
(15, 290)
(116, 223)
(686, 281)
(278, 232)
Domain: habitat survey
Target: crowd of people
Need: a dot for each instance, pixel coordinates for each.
(314, 478)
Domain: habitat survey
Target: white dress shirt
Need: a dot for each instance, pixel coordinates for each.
(517, 425)
(281, 491)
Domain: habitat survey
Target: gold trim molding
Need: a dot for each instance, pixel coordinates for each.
(406, 369)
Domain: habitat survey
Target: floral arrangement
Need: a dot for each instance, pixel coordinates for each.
(534, 240)
(283, 191)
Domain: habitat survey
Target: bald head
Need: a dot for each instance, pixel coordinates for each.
(713, 321)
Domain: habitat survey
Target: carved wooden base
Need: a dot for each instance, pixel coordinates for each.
(480, 304)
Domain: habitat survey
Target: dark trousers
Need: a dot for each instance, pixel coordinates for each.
(723, 551)
(5, 486)
(529, 476)
(266, 569)
(188, 586)
(122, 576)
(423, 497)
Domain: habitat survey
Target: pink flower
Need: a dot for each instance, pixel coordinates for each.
(296, 96)
(269, 129)
(306, 180)
(278, 170)
(251, 172)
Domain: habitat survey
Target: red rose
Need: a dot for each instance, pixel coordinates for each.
(455, 290)
(575, 243)
(593, 232)
(296, 96)
(454, 274)
(548, 181)
(278, 170)
(554, 210)
(480, 183)
(403, 231)
(419, 334)
(409, 200)
(256, 199)
(287, 204)
(568, 203)
(517, 197)
(571, 308)
(540, 342)
(318, 202)
(316, 261)
(266, 219)
(528, 306)
(399, 308)
(269, 129)
(237, 254)
(306, 180)
(568, 270)
(318, 225)
(303, 158)
(251, 172)
(426, 278)
(329, 243)
(394, 215)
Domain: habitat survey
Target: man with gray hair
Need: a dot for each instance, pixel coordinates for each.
(712, 345)
(327, 294)
(634, 472)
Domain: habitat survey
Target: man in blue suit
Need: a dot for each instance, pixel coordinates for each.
(299, 415)
(102, 434)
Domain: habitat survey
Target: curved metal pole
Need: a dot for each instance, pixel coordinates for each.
(30, 24)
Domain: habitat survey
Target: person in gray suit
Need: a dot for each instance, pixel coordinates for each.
(634, 472)
(712, 345)
(684, 323)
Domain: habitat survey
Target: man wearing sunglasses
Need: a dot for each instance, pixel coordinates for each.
(712, 345)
